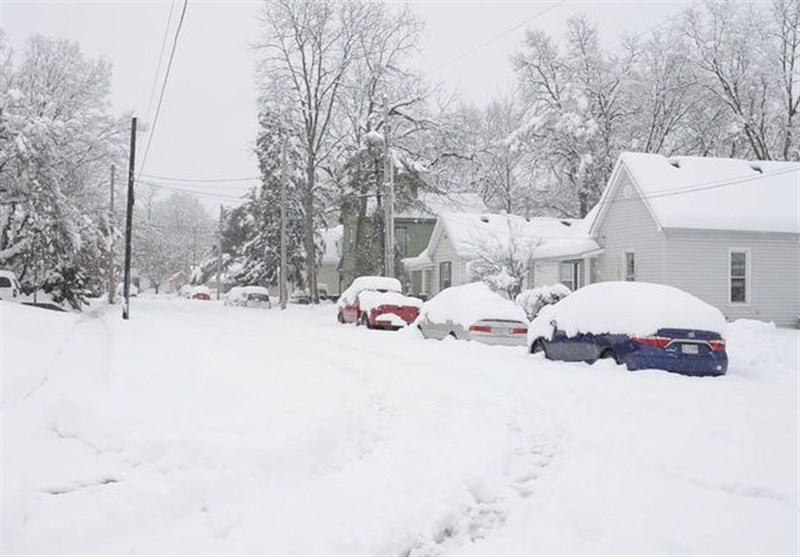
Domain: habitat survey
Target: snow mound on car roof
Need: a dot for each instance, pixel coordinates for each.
(469, 303)
(369, 299)
(368, 283)
(633, 308)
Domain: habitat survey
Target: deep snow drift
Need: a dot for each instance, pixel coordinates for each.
(196, 428)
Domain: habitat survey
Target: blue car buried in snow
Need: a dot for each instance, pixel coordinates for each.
(639, 325)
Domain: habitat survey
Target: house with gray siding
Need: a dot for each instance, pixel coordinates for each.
(725, 230)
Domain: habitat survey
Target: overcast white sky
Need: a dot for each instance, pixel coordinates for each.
(207, 124)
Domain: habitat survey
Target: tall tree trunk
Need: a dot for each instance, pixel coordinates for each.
(311, 252)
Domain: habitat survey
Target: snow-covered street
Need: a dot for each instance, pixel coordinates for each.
(196, 428)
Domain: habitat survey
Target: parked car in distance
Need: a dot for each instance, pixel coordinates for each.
(248, 296)
(473, 312)
(300, 297)
(200, 292)
(639, 325)
(377, 302)
(9, 286)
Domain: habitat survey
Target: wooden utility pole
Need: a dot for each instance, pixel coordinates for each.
(282, 288)
(219, 252)
(129, 224)
(388, 196)
(112, 278)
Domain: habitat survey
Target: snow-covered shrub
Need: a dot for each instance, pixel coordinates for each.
(67, 283)
(534, 299)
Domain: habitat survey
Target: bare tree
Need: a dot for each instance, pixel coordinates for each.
(308, 48)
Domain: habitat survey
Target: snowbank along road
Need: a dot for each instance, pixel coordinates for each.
(196, 428)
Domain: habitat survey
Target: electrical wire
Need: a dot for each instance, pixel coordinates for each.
(203, 180)
(163, 87)
(497, 37)
(160, 60)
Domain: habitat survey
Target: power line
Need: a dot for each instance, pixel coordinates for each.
(160, 60)
(177, 189)
(497, 37)
(202, 180)
(163, 86)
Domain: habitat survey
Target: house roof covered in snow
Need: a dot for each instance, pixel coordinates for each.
(711, 193)
(544, 237)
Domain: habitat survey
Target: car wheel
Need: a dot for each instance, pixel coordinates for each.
(365, 321)
(609, 354)
(537, 346)
(340, 317)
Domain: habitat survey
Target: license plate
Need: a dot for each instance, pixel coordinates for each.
(689, 349)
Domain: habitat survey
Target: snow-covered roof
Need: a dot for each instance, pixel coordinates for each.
(332, 241)
(545, 237)
(711, 193)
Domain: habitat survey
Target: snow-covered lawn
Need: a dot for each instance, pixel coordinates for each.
(196, 428)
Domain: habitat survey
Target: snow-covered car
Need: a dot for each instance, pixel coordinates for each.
(377, 302)
(300, 297)
(232, 295)
(9, 286)
(200, 292)
(637, 324)
(248, 296)
(473, 312)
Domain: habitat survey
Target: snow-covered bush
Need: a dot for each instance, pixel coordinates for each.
(68, 284)
(535, 299)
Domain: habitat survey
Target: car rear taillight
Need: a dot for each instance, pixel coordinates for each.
(652, 341)
(14, 293)
(717, 345)
(480, 329)
(519, 331)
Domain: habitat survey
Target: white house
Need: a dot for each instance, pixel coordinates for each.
(459, 239)
(327, 271)
(725, 230)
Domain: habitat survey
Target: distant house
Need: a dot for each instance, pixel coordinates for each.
(327, 272)
(725, 230)
(460, 239)
(413, 226)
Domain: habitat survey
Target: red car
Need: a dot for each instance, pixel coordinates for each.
(377, 303)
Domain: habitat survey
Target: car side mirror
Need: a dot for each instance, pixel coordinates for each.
(554, 324)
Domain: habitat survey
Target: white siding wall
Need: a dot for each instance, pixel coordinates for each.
(628, 225)
(545, 273)
(445, 252)
(697, 261)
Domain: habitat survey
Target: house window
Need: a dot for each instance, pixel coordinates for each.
(445, 275)
(400, 241)
(571, 274)
(630, 266)
(739, 276)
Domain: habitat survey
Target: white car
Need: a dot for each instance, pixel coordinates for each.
(473, 312)
(248, 296)
(9, 286)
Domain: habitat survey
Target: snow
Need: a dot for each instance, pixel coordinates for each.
(290, 434)
(633, 308)
(544, 237)
(717, 194)
(469, 303)
(370, 299)
(348, 297)
(391, 318)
